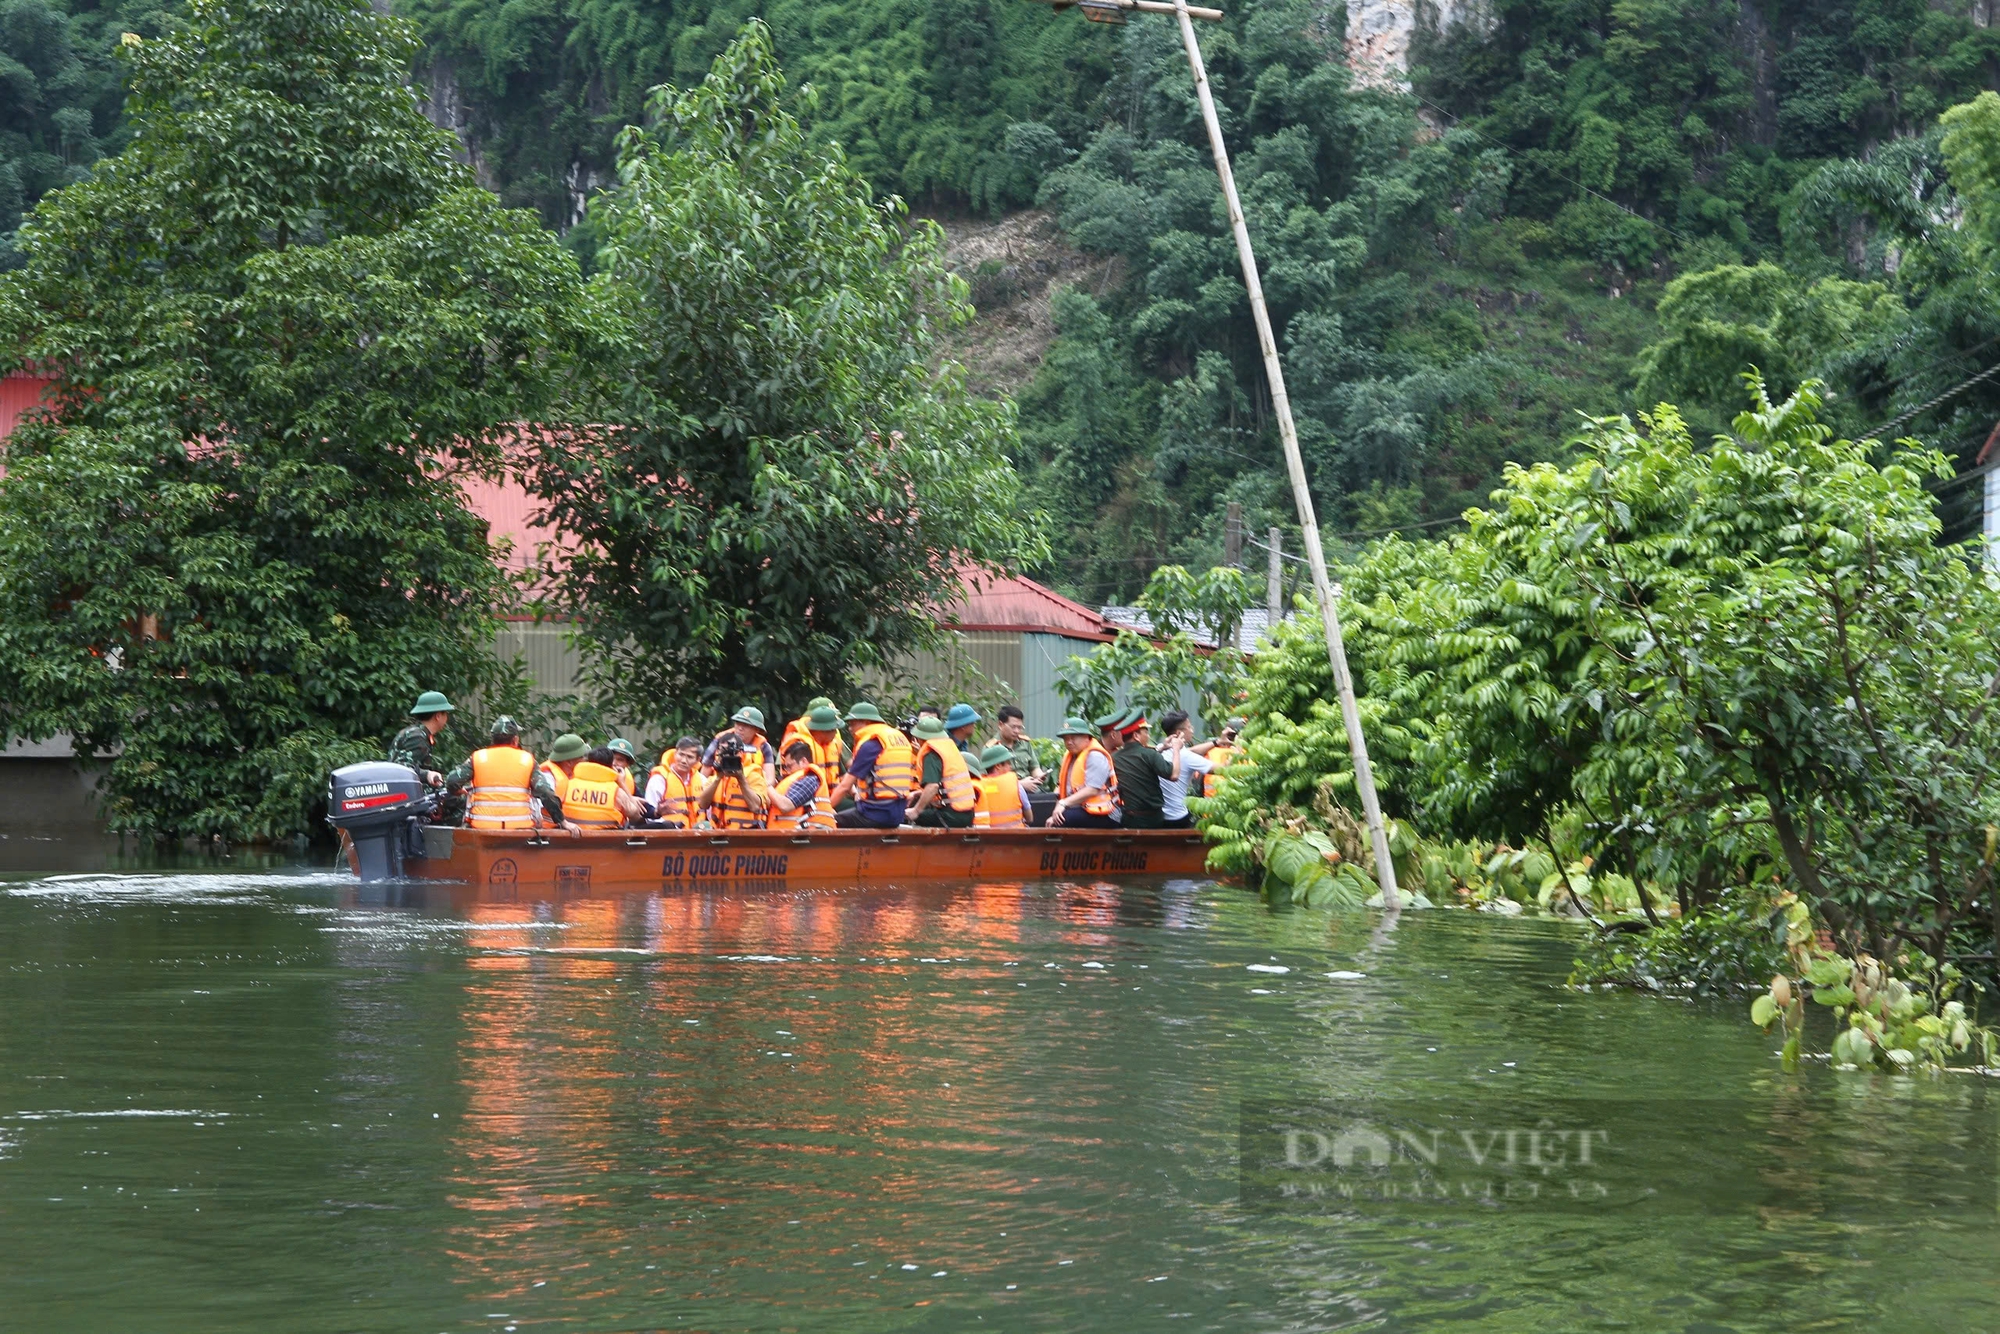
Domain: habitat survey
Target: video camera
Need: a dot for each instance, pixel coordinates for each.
(729, 756)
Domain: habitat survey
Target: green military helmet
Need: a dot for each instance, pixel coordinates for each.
(750, 715)
(995, 755)
(818, 702)
(928, 729)
(430, 702)
(569, 746)
(505, 726)
(1115, 718)
(864, 712)
(618, 745)
(822, 719)
(1074, 726)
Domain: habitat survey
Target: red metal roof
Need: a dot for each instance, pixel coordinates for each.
(1017, 603)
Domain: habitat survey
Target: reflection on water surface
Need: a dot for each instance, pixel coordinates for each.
(239, 1099)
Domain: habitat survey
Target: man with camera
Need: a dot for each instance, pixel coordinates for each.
(741, 769)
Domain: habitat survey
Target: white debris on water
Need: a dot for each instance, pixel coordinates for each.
(1346, 975)
(1267, 968)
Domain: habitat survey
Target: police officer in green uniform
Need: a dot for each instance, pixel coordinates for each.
(542, 788)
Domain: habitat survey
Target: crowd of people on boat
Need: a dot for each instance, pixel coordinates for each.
(831, 770)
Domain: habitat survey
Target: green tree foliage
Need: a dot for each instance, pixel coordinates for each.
(1884, 294)
(1700, 116)
(283, 320)
(790, 483)
(1190, 655)
(61, 94)
(1719, 321)
(938, 100)
(1748, 660)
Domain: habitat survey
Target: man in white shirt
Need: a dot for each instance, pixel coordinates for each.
(1188, 770)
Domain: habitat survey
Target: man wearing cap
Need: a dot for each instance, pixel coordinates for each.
(945, 796)
(880, 776)
(588, 789)
(412, 746)
(748, 725)
(624, 763)
(1087, 785)
(820, 730)
(1140, 769)
(802, 727)
(503, 787)
(1003, 801)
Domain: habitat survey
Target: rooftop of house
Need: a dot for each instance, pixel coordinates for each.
(1254, 628)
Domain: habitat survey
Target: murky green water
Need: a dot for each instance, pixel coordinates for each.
(245, 1101)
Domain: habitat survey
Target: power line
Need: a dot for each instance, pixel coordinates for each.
(1879, 431)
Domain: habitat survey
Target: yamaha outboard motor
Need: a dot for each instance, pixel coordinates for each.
(381, 806)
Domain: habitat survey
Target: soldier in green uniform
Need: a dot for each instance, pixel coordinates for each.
(542, 788)
(412, 747)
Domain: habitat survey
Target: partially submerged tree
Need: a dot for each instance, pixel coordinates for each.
(232, 548)
(789, 485)
(1737, 663)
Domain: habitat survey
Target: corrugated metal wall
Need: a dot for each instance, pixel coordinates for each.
(552, 663)
(1041, 657)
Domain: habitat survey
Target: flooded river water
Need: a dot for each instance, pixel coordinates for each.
(240, 1099)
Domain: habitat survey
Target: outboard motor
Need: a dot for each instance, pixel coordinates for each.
(381, 806)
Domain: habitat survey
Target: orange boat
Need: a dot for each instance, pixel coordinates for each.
(573, 864)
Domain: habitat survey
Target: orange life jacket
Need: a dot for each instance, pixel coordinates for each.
(815, 814)
(999, 805)
(1073, 779)
(1219, 755)
(677, 794)
(956, 788)
(590, 797)
(825, 758)
(895, 773)
(729, 807)
(500, 795)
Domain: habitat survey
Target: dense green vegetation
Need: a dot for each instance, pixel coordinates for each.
(62, 94)
(283, 319)
(1707, 675)
(1455, 273)
(787, 484)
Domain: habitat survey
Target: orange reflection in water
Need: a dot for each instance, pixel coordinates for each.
(703, 1049)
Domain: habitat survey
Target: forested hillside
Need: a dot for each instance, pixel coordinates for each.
(1578, 207)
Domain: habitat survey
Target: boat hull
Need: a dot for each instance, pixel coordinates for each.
(568, 864)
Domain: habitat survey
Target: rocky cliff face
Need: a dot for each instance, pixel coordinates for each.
(1379, 34)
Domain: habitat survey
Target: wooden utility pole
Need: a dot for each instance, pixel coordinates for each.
(1288, 436)
(1232, 536)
